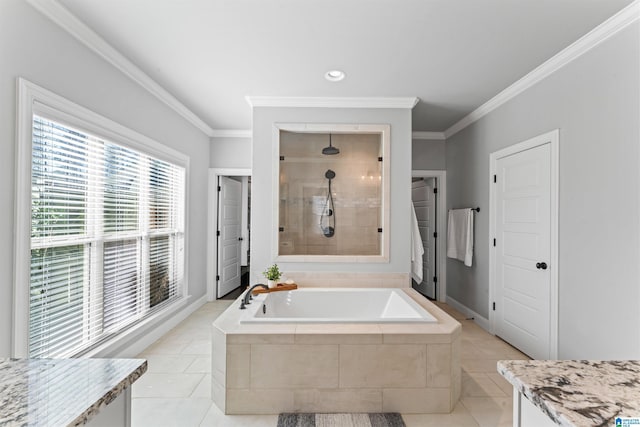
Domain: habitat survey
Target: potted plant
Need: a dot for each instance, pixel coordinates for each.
(272, 275)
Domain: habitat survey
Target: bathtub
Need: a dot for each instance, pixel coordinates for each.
(336, 350)
(343, 305)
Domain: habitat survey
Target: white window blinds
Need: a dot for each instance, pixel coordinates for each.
(107, 238)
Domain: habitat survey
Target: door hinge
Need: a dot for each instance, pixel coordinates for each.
(281, 158)
(219, 188)
(495, 178)
(435, 235)
(494, 306)
(435, 279)
(494, 242)
(379, 159)
(217, 278)
(379, 230)
(435, 191)
(218, 233)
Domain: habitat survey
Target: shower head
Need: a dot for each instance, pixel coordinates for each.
(330, 150)
(329, 174)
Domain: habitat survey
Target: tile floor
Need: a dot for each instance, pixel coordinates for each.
(175, 391)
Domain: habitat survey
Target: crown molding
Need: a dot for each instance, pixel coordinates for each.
(331, 102)
(593, 38)
(428, 135)
(78, 29)
(231, 133)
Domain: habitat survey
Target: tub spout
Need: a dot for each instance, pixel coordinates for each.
(247, 297)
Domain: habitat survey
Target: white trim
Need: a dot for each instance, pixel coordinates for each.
(439, 136)
(481, 321)
(552, 138)
(384, 131)
(212, 217)
(441, 219)
(231, 133)
(331, 102)
(602, 32)
(78, 29)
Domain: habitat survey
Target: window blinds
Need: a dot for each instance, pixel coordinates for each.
(107, 238)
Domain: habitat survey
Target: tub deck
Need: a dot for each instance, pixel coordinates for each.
(336, 367)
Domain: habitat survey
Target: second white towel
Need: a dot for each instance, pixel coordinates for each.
(460, 235)
(417, 249)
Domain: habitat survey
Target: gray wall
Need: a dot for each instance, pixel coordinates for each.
(594, 101)
(428, 154)
(262, 194)
(230, 153)
(34, 48)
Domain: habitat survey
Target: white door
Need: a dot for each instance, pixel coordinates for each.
(522, 250)
(423, 197)
(229, 229)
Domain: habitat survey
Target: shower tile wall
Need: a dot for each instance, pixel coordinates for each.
(356, 188)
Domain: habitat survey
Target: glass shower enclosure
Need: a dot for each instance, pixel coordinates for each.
(330, 193)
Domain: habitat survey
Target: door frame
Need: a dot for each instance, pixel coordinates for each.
(441, 219)
(552, 138)
(212, 221)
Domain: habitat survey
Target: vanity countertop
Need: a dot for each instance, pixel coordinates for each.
(578, 392)
(61, 392)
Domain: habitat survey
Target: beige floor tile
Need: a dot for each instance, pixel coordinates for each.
(490, 411)
(459, 417)
(479, 365)
(169, 412)
(166, 348)
(203, 389)
(480, 385)
(215, 418)
(199, 365)
(166, 385)
(198, 347)
(450, 310)
(189, 333)
(504, 385)
(162, 363)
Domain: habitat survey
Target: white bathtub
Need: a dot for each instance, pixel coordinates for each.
(343, 305)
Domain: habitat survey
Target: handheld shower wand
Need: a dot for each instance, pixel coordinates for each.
(328, 211)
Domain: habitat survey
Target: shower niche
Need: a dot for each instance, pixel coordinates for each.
(332, 193)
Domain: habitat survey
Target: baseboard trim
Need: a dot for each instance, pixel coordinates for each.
(481, 321)
(144, 341)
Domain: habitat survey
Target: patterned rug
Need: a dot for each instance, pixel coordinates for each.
(389, 419)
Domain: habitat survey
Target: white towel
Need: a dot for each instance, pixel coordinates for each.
(460, 235)
(417, 249)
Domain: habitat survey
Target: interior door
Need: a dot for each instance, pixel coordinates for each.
(523, 247)
(424, 201)
(229, 234)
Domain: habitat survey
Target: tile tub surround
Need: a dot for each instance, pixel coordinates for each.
(274, 368)
(578, 392)
(61, 392)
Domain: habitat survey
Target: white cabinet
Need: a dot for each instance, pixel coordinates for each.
(526, 414)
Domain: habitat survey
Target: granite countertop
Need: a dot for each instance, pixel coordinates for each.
(61, 392)
(578, 392)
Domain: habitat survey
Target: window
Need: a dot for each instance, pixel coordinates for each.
(107, 235)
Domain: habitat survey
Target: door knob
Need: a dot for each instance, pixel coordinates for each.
(541, 265)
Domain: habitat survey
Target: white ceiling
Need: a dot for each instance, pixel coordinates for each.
(452, 54)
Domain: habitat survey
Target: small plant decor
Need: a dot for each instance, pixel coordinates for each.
(272, 273)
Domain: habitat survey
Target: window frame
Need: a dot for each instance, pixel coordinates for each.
(33, 99)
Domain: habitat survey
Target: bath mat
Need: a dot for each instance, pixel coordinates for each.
(388, 419)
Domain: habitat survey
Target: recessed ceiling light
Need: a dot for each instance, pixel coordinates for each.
(334, 75)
